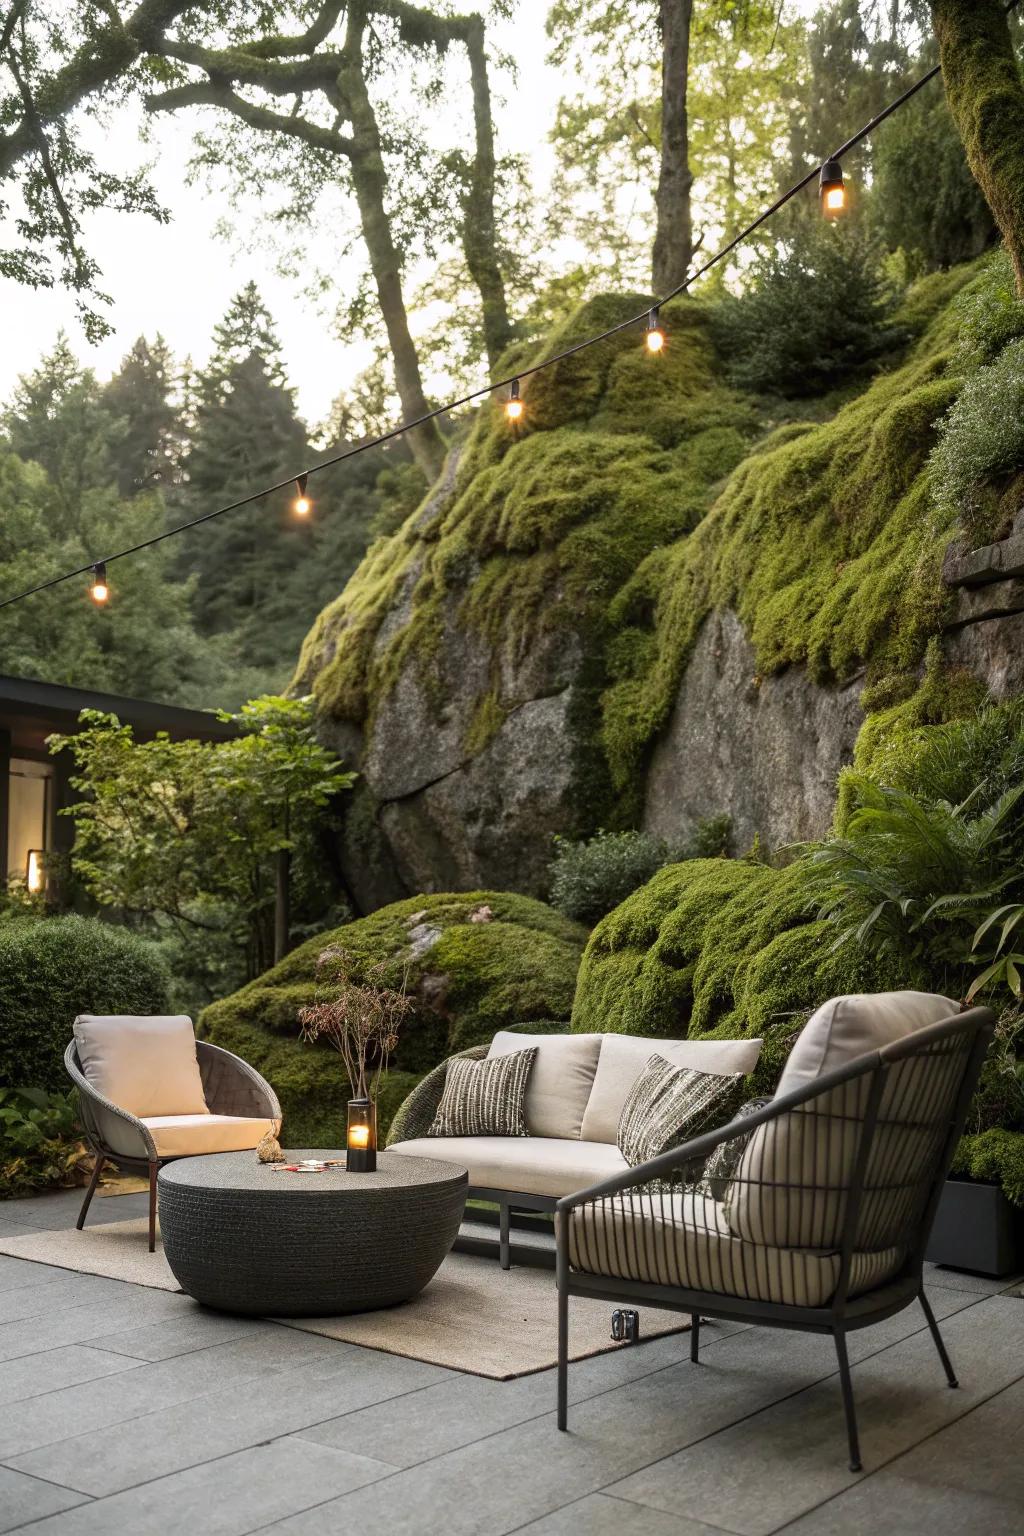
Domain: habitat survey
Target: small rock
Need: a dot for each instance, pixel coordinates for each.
(481, 915)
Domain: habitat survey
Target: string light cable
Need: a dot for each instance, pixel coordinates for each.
(649, 318)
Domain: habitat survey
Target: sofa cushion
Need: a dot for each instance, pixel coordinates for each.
(146, 1065)
(484, 1098)
(668, 1105)
(560, 1082)
(533, 1165)
(191, 1135)
(724, 1160)
(792, 1183)
(624, 1057)
(684, 1240)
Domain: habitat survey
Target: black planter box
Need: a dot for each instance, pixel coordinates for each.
(977, 1228)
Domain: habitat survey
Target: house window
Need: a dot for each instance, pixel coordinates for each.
(29, 803)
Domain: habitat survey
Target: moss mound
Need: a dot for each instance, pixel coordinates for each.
(718, 947)
(469, 978)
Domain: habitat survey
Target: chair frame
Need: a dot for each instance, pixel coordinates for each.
(842, 1315)
(221, 1072)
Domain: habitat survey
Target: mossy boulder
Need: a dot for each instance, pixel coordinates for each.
(474, 963)
(723, 948)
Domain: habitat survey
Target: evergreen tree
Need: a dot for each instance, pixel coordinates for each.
(56, 419)
(148, 427)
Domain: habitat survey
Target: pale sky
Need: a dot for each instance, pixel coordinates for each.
(179, 278)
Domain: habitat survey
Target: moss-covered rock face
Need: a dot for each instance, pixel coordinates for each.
(718, 947)
(475, 963)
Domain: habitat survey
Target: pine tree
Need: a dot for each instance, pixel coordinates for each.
(148, 427)
(56, 419)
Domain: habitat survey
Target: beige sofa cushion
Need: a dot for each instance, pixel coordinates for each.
(559, 1085)
(624, 1057)
(191, 1135)
(792, 1183)
(683, 1240)
(146, 1065)
(533, 1165)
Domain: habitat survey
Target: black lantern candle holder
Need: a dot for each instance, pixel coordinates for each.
(361, 1136)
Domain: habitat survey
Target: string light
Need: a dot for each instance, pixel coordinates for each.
(302, 506)
(513, 405)
(834, 202)
(832, 189)
(655, 334)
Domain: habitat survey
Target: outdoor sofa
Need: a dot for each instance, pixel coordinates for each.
(574, 1097)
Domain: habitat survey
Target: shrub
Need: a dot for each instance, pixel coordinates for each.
(981, 437)
(54, 968)
(40, 1140)
(776, 339)
(590, 878)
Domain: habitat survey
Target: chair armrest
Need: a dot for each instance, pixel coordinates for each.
(232, 1087)
(110, 1128)
(415, 1115)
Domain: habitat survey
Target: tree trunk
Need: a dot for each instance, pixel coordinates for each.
(986, 96)
(673, 240)
(478, 230)
(369, 181)
(282, 904)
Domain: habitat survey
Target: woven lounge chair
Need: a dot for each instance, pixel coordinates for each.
(812, 1213)
(229, 1107)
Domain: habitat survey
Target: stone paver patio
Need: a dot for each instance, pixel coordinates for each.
(131, 1410)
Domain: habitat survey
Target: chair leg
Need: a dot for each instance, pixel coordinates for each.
(97, 1170)
(947, 1364)
(847, 1389)
(504, 1245)
(563, 1358)
(154, 1169)
(695, 1337)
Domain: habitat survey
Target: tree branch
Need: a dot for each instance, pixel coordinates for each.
(217, 94)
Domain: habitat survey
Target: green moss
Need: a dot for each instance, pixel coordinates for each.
(468, 979)
(717, 947)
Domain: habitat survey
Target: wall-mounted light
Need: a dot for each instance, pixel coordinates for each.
(35, 874)
(832, 189)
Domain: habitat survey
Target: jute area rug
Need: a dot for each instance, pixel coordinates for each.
(473, 1316)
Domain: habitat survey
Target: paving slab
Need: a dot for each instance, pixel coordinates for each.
(228, 1497)
(195, 1327)
(130, 1306)
(601, 1515)
(15, 1273)
(27, 1498)
(964, 1280)
(49, 1295)
(199, 1428)
(777, 1463)
(67, 1366)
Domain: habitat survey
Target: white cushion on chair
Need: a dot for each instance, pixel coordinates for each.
(192, 1135)
(846, 1027)
(683, 1240)
(624, 1057)
(560, 1080)
(146, 1065)
(533, 1165)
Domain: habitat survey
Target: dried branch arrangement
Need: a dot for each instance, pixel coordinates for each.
(360, 1019)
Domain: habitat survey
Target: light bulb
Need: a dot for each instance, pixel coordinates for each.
(655, 337)
(99, 591)
(302, 506)
(513, 405)
(832, 188)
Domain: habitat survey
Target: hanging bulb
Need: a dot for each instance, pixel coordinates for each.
(99, 591)
(655, 334)
(513, 405)
(302, 506)
(832, 189)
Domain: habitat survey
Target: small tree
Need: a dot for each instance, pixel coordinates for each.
(201, 834)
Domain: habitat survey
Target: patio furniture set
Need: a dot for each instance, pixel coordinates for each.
(810, 1211)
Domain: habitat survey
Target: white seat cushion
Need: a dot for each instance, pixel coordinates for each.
(191, 1135)
(562, 1075)
(533, 1165)
(624, 1057)
(146, 1065)
(792, 1183)
(683, 1240)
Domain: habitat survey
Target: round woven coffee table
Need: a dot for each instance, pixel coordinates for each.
(245, 1239)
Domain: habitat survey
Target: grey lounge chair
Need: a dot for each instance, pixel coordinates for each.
(829, 1196)
(230, 1087)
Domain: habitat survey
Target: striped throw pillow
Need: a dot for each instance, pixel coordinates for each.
(485, 1098)
(668, 1105)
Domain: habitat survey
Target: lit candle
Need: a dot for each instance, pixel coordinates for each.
(359, 1136)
